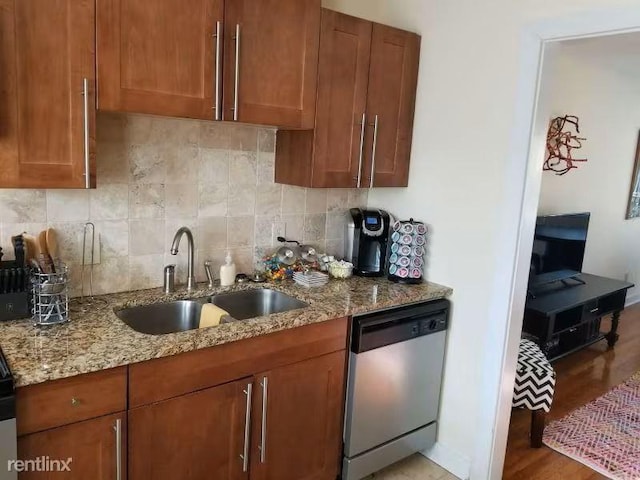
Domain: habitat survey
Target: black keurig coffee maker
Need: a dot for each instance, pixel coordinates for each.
(366, 242)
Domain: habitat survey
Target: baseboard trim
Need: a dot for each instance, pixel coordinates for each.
(449, 459)
(632, 300)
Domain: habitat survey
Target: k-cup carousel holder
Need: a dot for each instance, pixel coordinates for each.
(406, 258)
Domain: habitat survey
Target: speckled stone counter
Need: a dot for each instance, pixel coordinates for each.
(96, 339)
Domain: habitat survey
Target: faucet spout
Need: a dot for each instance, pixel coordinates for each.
(191, 279)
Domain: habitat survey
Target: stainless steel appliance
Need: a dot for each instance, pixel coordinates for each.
(8, 435)
(393, 396)
(367, 238)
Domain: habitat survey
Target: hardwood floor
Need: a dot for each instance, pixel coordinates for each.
(581, 377)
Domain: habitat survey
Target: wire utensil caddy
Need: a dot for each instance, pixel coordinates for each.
(50, 293)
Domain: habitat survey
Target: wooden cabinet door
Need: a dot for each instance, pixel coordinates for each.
(274, 79)
(301, 412)
(343, 75)
(158, 57)
(198, 436)
(46, 53)
(91, 445)
(393, 77)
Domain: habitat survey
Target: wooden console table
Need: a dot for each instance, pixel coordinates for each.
(566, 317)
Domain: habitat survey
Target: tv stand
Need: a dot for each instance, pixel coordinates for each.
(567, 319)
(538, 283)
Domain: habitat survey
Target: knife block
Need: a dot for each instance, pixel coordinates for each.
(15, 295)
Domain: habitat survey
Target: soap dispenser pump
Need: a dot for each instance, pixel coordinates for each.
(228, 272)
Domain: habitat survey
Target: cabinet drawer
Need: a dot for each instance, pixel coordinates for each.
(61, 402)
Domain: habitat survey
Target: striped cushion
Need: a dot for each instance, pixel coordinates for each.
(535, 378)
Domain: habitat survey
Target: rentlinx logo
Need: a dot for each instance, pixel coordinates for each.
(40, 464)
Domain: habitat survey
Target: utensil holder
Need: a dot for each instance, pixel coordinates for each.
(50, 294)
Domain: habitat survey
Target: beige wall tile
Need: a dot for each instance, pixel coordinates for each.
(242, 199)
(112, 163)
(293, 199)
(146, 164)
(174, 131)
(316, 200)
(109, 202)
(146, 237)
(146, 271)
(181, 163)
(293, 227)
(228, 137)
(314, 227)
(336, 224)
(264, 230)
(213, 166)
(240, 231)
(212, 233)
(114, 238)
(69, 240)
(147, 200)
(18, 206)
(212, 200)
(267, 140)
(266, 168)
(67, 205)
(337, 200)
(358, 197)
(181, 200)
(111, 275)
(242, 168)
(137, 129)
(269, 199)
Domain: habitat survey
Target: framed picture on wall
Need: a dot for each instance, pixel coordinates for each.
(633, 210)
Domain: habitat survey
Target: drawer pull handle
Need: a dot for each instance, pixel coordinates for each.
(247, 425)
(75, 401)
(118, 431)
(263, 423)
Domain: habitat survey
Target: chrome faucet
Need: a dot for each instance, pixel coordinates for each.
(191, 279)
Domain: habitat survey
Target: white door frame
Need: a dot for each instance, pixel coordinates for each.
(519, 212)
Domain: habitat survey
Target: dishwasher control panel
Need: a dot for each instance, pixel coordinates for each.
(379, 329)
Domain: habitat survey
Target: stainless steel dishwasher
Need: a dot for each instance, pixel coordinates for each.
(393, 393)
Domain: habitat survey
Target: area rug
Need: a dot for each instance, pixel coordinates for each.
(604, 434)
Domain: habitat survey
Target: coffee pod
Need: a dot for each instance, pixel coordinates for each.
(406, 239)
(421, 228)
(404, 261)
(418, 251)
(393, 269)
(402, 272)
(395, 247)
(397, 226)
(420, 240)
(417, 262)
(407, 228)
(395, 236)
(393, 258)
(404, 250)
(415, 273)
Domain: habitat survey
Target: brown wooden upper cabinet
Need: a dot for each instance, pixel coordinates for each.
(367, 79)
(47, 85)
(251, 61)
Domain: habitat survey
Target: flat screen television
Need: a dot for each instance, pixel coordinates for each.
(559, 243)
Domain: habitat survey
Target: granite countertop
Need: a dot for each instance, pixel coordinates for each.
(96, 339)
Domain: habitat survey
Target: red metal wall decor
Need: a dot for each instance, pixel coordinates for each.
(560, 142)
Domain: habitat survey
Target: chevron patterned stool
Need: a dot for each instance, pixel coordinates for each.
(535, 384)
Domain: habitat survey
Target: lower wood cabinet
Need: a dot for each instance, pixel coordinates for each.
(200, 435)
(97, 449)
(297, 432)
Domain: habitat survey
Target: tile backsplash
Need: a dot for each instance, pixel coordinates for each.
(156, 174)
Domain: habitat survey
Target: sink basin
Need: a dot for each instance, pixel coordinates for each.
(160, 318)
(171, 317)
(256, 303)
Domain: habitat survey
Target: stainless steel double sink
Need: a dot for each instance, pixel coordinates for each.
(183, 315)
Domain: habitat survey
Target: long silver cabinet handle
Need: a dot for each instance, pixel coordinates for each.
(373, 152)
(263, 427)
(218, 37)
(237, 79)
(362, 130)
(247, 428)
(118, 429)
(85, 114)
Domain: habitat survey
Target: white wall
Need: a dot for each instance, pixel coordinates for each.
(587, 81)
(465, 107)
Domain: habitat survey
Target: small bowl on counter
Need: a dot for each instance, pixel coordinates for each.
(340, 270)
